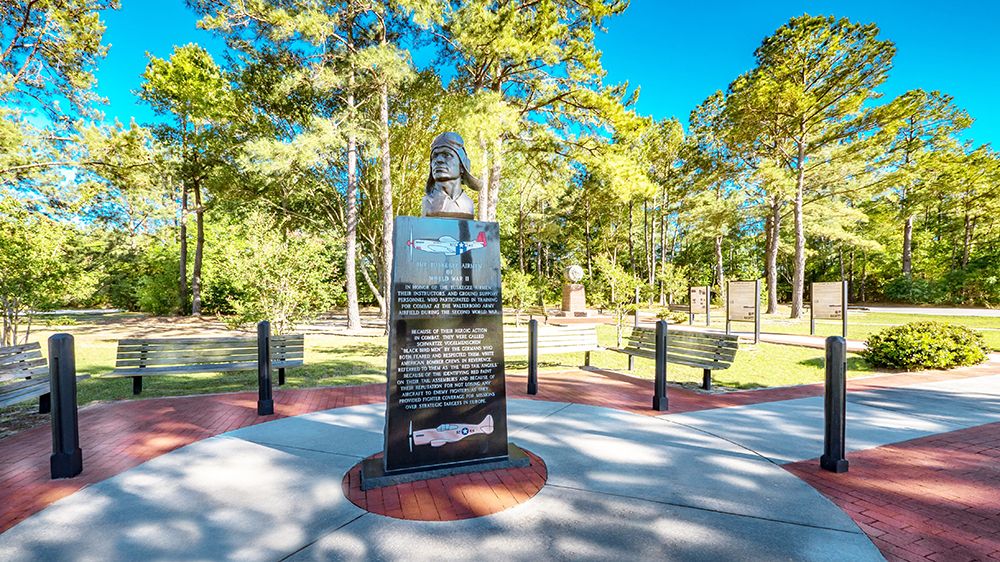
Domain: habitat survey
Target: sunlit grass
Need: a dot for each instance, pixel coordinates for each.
(756, 366)
(860, 324)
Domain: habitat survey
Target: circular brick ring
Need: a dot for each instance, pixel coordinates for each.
(450, 498)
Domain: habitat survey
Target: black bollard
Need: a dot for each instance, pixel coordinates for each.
(67, 458)
(835, 405)
(265, 403)
(660, 401)
(533, 357)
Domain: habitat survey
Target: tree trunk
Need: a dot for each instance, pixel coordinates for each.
(799, 271)
(520, 233)
(631, 246)
(647, 243)
(387, 213)
(862, 297)
(720, 275)
(350, 259)
(182, 287)
(907, 246)
(199, 251)
(484, 194)
(663, 240)
(586, 207)
(969, 227)
(850, 277)
(374, 289)
(494, 180)
(771, 257)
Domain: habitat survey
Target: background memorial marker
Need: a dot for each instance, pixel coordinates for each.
(743, 304)
(828, 301)
(700, 299)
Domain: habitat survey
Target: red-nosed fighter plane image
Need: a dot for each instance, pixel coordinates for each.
(449, 433)
(447, 244)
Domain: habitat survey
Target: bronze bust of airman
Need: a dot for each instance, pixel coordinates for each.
(449, 169)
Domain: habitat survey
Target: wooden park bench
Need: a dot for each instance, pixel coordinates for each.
(708, 351)
(552, 340)
(25, 365)
(139, 358)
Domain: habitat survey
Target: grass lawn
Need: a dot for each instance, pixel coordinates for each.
(756, 366)
(333, 359)
(860, 324)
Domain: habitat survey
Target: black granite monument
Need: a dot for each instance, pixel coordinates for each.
(446, 409)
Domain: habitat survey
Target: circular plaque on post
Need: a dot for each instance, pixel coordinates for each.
(574, 273)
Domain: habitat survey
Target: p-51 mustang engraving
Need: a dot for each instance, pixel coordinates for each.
(447, 244)
(449, 433)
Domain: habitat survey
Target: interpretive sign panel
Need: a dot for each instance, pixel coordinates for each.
(743, 305)
(742, 301)
(445, 396)
(828, 300)
(699, 299)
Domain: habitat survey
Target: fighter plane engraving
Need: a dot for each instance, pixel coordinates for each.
(449, 433)
(447, 244)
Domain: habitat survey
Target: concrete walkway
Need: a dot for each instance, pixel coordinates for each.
(201, 478)
(786, 431)
(620, 486)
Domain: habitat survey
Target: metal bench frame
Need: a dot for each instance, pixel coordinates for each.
(709, 351)
(138, 358)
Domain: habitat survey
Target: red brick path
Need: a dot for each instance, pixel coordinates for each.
(450, 498)
(121, 435)
(934, 498)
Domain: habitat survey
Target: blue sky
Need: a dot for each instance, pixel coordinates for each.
(677, 53)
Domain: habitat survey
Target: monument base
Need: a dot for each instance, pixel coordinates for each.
(373, 472)
(575, 313)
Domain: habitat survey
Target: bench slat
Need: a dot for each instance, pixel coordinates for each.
(697, 364)
(731, 341)
(196, 341)
(186, 341)
(180, 354)
(197, 359)
(15, 349)
(678, 359)
(547, 350)
(560, 341)
(41, 371)
(26, 395)
(13, 389)
(202, 368)
(23, 366)
(186, 350)
(551, 328)
(701, 349)
(6, 361)
(650, 332)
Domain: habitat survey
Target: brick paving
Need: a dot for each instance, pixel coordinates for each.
(934, 498)
(118, 436)
(450, 498)
(121, 435)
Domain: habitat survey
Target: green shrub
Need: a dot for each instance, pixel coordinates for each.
(912, 290)
(925, 345)
(672, 317)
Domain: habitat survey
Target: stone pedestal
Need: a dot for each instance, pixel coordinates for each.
(574, 300)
